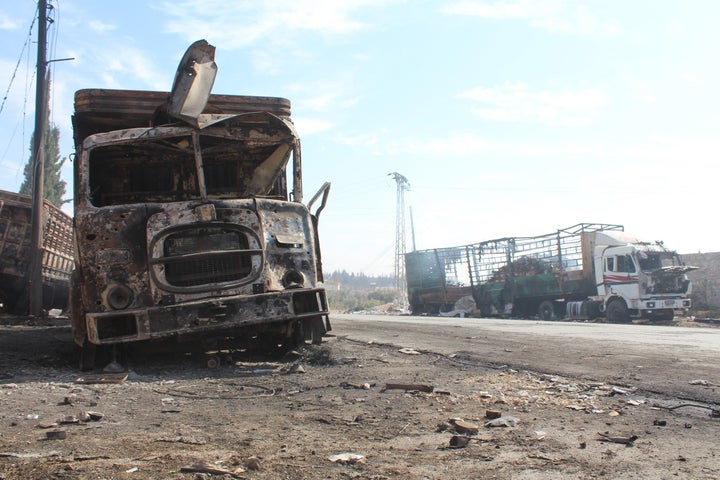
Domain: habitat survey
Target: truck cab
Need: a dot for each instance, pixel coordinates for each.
(191, 227)
(640, 280)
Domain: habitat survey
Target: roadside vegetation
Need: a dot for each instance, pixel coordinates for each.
(352, 292)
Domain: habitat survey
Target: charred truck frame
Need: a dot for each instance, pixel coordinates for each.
(584, 271)
(187, 230)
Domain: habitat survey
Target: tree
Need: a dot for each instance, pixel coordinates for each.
(54, 187)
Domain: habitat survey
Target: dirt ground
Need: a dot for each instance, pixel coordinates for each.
(331, 412)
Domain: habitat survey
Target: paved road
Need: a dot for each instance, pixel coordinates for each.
(661, 359)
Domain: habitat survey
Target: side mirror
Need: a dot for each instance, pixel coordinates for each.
(324, 191)
(194, 80)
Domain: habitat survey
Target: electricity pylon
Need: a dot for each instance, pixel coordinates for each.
(400, 280)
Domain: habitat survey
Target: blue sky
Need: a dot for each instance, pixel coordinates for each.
(511, 117)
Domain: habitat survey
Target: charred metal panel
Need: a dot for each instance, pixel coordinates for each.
(200, 318)
(193, 82)
(112, 255)
(105, 110)
(290, 245)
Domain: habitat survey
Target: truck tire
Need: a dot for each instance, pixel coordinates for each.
(546, 310)
(617, 312)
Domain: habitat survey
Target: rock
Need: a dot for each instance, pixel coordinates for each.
(252, 463)
(56, 435)
(461, 426)
(503, 422)
(458, 441)
(347, 458)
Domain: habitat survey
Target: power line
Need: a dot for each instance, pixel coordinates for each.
(17, 65)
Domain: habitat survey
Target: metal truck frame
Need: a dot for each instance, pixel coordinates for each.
(15, 242)
(580, 272)
(186, 231)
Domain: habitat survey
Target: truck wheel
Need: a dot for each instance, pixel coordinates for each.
(617, 312)
(546, 310)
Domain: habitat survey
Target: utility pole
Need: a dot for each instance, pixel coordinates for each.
(400, 280)
(35, 266)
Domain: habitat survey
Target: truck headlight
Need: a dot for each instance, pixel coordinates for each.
(293, 279)
(118, 296)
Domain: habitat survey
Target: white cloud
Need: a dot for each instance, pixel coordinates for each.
(7, 23)
(100, 27)
(125, 67)
(691, 77)
(309, 126)
(518, 103)
(552, 15)
(332, 98)
(640, 89)
(365, 140)
(501, 10)
(242, 24)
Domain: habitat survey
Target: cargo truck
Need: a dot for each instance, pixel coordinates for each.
(186, 227)
(580, 272)
(15, 243)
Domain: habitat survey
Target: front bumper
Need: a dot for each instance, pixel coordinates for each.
(206, 316)
(664, 304)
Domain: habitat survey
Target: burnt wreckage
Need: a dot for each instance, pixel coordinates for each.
(15, 247)
(187, 230)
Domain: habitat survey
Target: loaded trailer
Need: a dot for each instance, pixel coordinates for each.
(585, 271)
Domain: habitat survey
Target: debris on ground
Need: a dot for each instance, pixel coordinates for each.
(415, 387)
(503, 422)
(205, 467)
(604, 437)
(347, 458)
(228, 421)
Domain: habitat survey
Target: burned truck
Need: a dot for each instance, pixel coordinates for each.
(186, 229)
(580, 272)
(15, 245)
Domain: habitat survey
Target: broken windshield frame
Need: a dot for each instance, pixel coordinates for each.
(242, 157)
(653, 261)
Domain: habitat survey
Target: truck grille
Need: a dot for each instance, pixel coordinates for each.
(209, 255)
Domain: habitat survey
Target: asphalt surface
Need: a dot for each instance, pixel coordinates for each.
(669, 360)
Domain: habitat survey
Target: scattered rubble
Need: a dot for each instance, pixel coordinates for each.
(372, 412)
